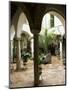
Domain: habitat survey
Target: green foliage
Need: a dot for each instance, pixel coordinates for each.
(40, 59)
(25, 55)
(46, 39)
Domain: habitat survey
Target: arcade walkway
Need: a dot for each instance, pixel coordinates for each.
(52, 74)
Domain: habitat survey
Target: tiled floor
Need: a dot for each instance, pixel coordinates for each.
(52, 74)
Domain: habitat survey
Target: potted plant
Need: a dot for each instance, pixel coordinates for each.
(25, 55)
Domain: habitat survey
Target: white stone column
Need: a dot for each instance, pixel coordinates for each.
(61, 48)
(19, 48)
(11, 48)
(32, 47)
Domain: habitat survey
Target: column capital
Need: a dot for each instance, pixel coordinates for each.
(35, 31)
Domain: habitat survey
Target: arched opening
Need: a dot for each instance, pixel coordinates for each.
(51, 53)
(23, 50)
(23, 26)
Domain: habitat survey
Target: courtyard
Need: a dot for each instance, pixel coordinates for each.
(37, 45)
(52, 74)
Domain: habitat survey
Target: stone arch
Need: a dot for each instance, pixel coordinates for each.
(58, 10)
(16, 16)
(14, 21)
(58, 16)
(22, 20)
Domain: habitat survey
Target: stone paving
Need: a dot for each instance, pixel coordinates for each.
(52, 74)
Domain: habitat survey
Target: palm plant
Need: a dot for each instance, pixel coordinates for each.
(46, 39)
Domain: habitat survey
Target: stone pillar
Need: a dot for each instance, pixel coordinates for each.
(36, 67)
(32, 47)
(61, 48)
(18, 65)
(11, 47)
